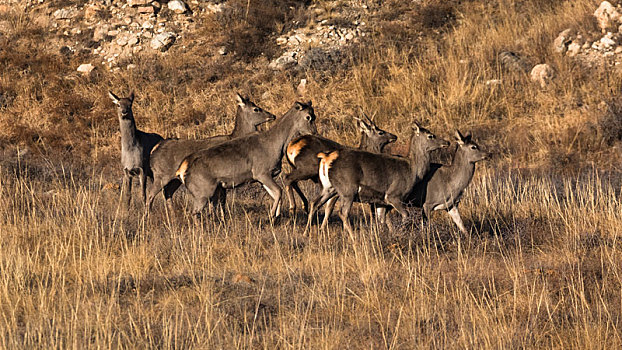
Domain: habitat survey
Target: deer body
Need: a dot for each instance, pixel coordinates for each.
(443, 185)
(375, 178)
(254, 157)
(136, 147)
(168, 155)
(302, 155)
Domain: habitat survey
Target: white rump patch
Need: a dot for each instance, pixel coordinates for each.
(324, 166)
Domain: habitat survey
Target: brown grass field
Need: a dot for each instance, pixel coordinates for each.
(540, 268)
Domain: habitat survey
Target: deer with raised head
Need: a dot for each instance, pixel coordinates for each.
(255, 157)
(136, 147)
(168, 154)
(443, 185)
(375, 178)
(302, 156)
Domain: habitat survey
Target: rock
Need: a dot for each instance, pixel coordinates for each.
(163, 41)
(561, 42)
(64, 14)
(215, 8)
(607, 42)
(542, 74)
(222, 50)
(513, 62)
(121, 40)
(136, 3)
(286, 61)
(86, 69)
(146, 9)
(493, 82)
(178, 6)
(573, 49)
(281, 41)
(618, 50)
(606, 15)
(147, 25)
(302, 87)
(91, 12)
(133, 40)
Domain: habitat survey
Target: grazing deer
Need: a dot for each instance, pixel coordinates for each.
(302, 156)
(443, 185)
(136, 147)
(375, 178)
(254, 157)
(168, 154)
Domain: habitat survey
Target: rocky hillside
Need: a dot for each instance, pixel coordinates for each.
(537, 81)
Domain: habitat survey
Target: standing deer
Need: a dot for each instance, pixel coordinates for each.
(443, 185)
(254, 157)
(168, 154)
(302, 156)
(375, 178)
(136, 147)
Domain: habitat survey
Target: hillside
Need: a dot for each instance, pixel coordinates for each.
(537, 83)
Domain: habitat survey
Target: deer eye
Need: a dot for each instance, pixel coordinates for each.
(256, 110)
(473, 147)
(308, 118)
(431, 136)
(380, 133)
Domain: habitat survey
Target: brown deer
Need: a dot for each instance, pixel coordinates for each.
(302, 156)
(443, 186)
(375, 178)
(168, 154)
(136, 147)
(255, 157)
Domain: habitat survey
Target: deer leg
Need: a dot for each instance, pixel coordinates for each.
(154, 189)
(142, 179)
(455, 216)
(426, 213)
(327, 193)
(396, 203)
(126, 190)
(345, 212)
(328, 209)
(305, 202)
(168, 190)
(275, 192)
(219, 199)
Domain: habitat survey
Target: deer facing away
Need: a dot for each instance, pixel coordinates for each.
(375, 178)
(136, 147)
(168, 154)
(302, 155)
(443, 185)
(254, 157)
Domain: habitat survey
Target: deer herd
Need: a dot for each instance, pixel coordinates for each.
(366, 174)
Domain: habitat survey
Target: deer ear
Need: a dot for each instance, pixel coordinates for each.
(310, 104)
(363, 127)
(241, 100)
(416, 127)
(467, 137)
(131, 96)
(113, 97)
(459, 138)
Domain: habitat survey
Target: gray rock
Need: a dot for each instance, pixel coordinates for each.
(542, 74)
(178, 6)
(560, 44)
(163, 41)
(606, 15)
(286, 61)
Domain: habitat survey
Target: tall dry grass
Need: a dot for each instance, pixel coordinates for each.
(540, 268)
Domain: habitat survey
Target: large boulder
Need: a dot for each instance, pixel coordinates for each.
(542, 74)
(606, 15)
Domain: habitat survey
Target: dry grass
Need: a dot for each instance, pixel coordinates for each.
(540, 268)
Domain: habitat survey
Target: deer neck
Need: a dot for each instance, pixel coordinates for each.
(365, 144)
(280, 135)
(419, 159)
(241, 128)
(461, 170)
(128, 132)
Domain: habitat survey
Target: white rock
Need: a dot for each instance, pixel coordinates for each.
(542, 74)
(493, 82)
(606, 15)
(215, 8)
(562, 40)
(286, 61)
(64, 14)
(86, 69)
(573, 49)
(135, 3)
(281, 41)
(133, 40)
(607, 42)
(163, 41)
(177, 6)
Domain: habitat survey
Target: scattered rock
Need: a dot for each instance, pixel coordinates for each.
(513, 62)
(146, 9)
(136, 3)
(542, 74)
(606, 15)
(86, 69)
(222, 50)
(92, 12)
(573, 49)
(64, 14)
(562, 41)
(285, 61)
(178, 6)
(163, 41)
(302, 87)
